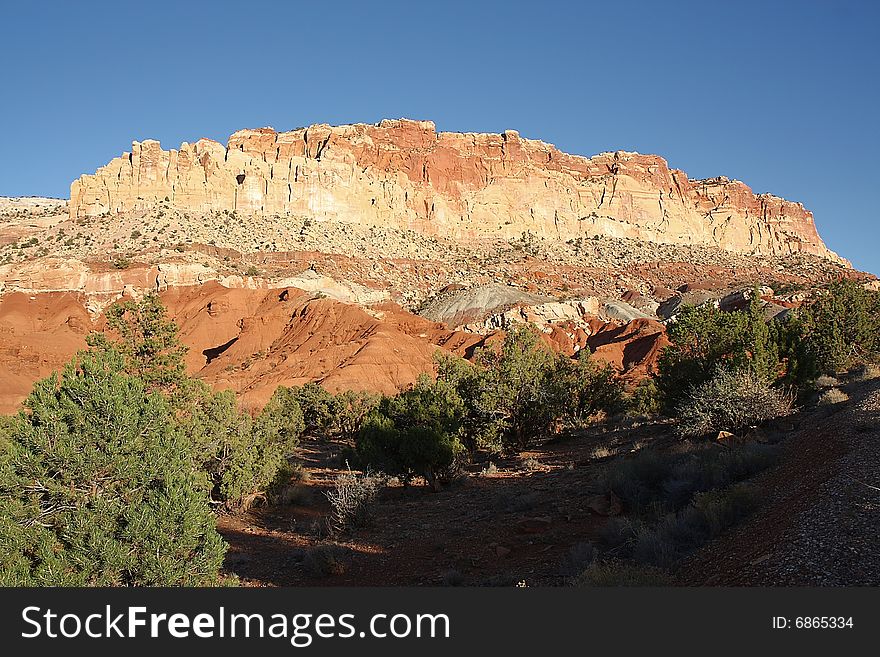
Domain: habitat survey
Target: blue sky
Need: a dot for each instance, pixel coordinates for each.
(781, 95)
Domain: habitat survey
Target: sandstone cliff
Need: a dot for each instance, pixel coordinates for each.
(404, 174)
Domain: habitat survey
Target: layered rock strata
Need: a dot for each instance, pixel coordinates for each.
(404, 174)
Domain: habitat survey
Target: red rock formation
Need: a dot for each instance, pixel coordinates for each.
(38, 334)
(634, 347)
(404, 174)
(253, 340)
(249, 340)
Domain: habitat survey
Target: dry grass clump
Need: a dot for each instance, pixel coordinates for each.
(867, 372)
(531, 464)
(663, 541)
(326, 560)
(826, 381)
(676, 534)
(671, 479)
(833, 396)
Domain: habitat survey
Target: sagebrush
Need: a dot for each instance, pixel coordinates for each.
(730, 401)
(352, 499)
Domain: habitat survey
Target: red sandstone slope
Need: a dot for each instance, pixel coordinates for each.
(38, 334)
(255, 340)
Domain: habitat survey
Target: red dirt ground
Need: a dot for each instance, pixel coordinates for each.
(516, 524)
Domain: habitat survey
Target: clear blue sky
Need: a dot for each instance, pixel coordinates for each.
(782, 95)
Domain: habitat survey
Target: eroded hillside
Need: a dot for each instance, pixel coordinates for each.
(349, 255)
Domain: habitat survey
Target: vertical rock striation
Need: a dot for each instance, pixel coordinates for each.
(404, 174)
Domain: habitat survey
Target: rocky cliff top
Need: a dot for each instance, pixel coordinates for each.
(403, 174)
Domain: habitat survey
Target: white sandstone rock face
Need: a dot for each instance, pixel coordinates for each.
(43, 275)
(575, 313)
(403, 174)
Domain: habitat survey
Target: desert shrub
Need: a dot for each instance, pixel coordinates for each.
(618, 533)
(731, 400)
(289, 492)
(645, 399)
(701, 337)
(583, 388)
(799, 366)
(451, 368)
(833, 396)
(578, 558)
(291, 484)
(298, 473)
(614, 572)
(241, 455)
(842, 326)
(221, 436)
(326, 415)
(148, 341)
(669, 480)
(704, 338)
(714, 467)
(326, 561)
(665, 540)
(676, 534)
(284, 416)
(352, 499)
(655, 545)
(98, 488)
(518, 393)
(479, 425)
(637, 481)
(247, 458)
(244, 456)
(759, 349)
(7, 424)
(350, 410)
(315, 404)
(724, 508)
(414, 432)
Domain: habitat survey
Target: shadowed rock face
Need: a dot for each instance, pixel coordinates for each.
(404, 174)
